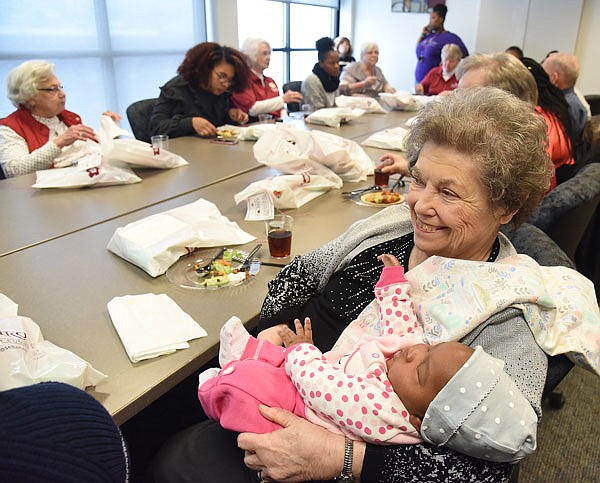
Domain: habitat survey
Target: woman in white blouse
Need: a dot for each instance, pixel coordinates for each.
(40, 134)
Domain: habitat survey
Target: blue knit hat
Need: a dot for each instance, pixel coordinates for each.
(53, 432)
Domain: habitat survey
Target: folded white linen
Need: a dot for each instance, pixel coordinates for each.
(156, 242)
(151, 325)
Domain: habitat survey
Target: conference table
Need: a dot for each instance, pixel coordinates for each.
(57, 268)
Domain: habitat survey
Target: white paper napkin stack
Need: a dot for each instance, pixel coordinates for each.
(151, 325)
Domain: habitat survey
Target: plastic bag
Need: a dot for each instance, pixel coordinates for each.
(399, 100)
(343, 156)
(387, 139)
(142, 155)
(90, 171)
(289, 190)
(334, 116)
(290, 151)
(156, 242)
(26, 358)
(368, 104)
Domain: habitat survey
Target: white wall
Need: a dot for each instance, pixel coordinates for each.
(587, 43)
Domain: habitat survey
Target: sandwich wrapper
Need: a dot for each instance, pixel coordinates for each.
(26, 358)
(156, 242)
(151, 325)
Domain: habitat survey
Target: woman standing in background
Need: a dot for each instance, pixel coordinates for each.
(433, 38)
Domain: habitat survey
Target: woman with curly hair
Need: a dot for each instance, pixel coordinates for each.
(197, 100)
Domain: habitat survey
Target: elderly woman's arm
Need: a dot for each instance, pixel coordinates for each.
(303, 451)
(16, 159)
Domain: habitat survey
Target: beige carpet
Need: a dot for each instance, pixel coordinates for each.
(569, 438)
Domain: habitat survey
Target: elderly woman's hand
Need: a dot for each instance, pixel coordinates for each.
(203, 127)
(370, 80)
(113, 115)
(238, 115)
(272, 334)
(291, 96)
(394, 163)
(301, 451)
(77, 132)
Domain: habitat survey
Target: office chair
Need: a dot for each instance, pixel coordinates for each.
(293, 86)
(530, 240)
(594, 101)
(138, 114)
(566, 211)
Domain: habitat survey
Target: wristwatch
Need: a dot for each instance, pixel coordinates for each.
(346, 474)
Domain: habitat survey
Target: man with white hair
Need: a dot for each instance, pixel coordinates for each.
(563, 70)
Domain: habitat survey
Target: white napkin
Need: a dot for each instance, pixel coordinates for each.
(151, 325)
(156, 242)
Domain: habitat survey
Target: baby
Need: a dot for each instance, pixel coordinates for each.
(390, 389)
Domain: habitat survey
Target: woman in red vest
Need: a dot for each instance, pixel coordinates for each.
(262, 95)
(40, 134)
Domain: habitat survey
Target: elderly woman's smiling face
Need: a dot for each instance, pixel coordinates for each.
(450, 207)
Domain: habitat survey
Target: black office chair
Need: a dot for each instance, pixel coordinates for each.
(138, 115)
(530, 240)
(594, 101)
(293, 86)
(566, 211)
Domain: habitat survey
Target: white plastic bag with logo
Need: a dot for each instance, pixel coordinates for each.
(290, 151)
(139, 154)
(334, 116)
(288, 190)
(90, 171)
(342, 156)
(368, 104)
(399, 100)
(26, 358)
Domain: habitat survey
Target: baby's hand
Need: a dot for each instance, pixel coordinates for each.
(302, 334)
(388, 260)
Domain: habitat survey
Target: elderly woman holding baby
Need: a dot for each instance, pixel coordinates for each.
(479, 162)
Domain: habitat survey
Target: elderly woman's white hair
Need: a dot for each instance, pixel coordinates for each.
(368, 46)
(452, 51)
(251, 46)
(22, 82)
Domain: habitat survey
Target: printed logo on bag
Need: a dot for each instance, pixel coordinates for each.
(10, 333)
(156, 150)
(305, 178)
(93, 171)
(277, 193)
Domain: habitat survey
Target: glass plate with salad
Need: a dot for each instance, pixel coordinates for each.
(201, 270)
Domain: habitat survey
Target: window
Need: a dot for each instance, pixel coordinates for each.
(108, 53)
(291, 28)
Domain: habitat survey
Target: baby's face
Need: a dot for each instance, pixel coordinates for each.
(419, 372)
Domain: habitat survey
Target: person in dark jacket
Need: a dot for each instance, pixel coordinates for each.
(197, 100)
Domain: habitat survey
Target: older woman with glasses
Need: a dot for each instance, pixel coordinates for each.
(197, 100)
(40, 134)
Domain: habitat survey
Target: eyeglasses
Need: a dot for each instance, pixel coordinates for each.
(224, 79)
(53, 89)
